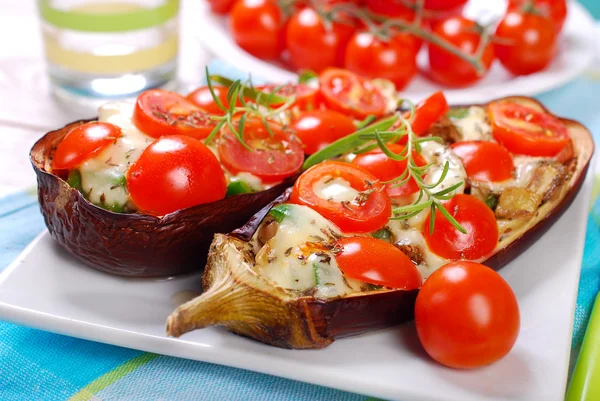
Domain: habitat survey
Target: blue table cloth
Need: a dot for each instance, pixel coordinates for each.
(36, 365)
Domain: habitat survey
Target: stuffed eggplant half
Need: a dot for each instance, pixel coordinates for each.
(346, 249)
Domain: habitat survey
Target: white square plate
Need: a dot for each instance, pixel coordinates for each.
(47, 289)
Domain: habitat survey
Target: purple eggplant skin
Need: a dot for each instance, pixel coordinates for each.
(131, 244)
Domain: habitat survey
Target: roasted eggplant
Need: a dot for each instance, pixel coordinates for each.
(238, 298)
(131, 244)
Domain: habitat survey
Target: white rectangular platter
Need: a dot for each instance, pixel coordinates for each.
(48, 289)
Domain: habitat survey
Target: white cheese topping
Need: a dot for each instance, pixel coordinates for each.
(293, 259)
(102, 176)
(334, 189)
(474, 126)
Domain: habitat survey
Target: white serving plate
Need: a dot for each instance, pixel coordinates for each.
(577, 48)
(48, 289)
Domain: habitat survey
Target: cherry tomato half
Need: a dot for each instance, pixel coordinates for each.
(371, 57)
(362, 216)
(306, 96)
(466, 315)
(449, 69)
(554, 9)
(221, 6)
(527, 42)
(158, 112)
(344, 91)
(82, 143)
(202, 98)
(381, 166)
(257, 26)
(485, 161)
(374, 261)
(429, 111)
(318, 128)
(272, 158)
(473, 215)
(311, 45)
(526, 131)
(173, 173)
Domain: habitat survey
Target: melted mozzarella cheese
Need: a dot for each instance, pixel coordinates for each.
(334, 189)
(388, 90)
(524, 168)
(291, 259)
(474, 126)
(440, 155)
(102, 175)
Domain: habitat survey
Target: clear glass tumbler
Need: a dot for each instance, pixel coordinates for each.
(109, 49)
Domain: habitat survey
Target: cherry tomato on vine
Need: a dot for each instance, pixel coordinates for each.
(318, 128)
(82, 143)
(466, 315)
(527, 131)
(221, 6)
(306, 96)
(374, 261)
(173, 173)
(526, 43)
(202, 98)
(257, 26)
(397, 9)
(444, 5)
(449, 69)
(381, 166)
(554, 9)
(158, 112)
(473, 215)
(484, 160)
(361, 216)
(311, 45)
(394, 59)
(272, 158)
(344, 91)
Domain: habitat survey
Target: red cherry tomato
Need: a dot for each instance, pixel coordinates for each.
(374, 261)
(466, 315)
(473, 215)
(202, 98)
(306, 96)
(449, 69)
(526, 131)
(311, 45)
(351, 217)
(272, 159)
(396, 9)
(158, 112)
(429, 111)
(526, 43)
(381, 166)
(485, 161)
(344, 91)
(395, 60)
(257, 27)
(444, 5)
(82, 143)
(173, 173)
(318, 128)
(221, 6)
(554, 9)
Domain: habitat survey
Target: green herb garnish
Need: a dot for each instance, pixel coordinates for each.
(307, 76)
(238, 188)
(383, 234)
(457, 112)
(280, 212)
(492, 201)
(74, 180)
(316, 273)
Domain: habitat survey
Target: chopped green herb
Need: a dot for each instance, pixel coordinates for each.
(457, 112)
(74, 180)
(116, 208)
(373, 287)
(238, 188)
(280, 212)
(316, 272)
(492, 201)
(384, 234)
(306, 76)
(117, 178)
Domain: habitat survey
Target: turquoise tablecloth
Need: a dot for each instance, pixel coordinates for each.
(36, 365)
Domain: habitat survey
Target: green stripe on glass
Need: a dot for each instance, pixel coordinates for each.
(121, 21)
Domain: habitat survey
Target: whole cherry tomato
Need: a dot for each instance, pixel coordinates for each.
(257, 26)
(221, 6)
(371, 57)
(175, 172)
(449, 69)
(466, 315)
(82, 143)
(311, 45)
(527, 42)
(554, 9)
